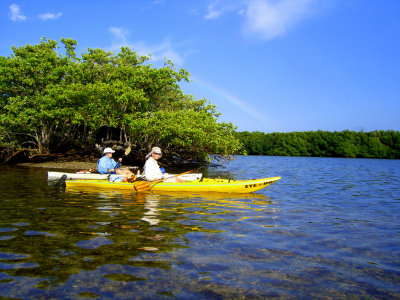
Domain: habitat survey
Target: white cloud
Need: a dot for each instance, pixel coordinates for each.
(265, 19)
(120, 35)
(269, 19)
(50, 16)
(158, 52)
(220, 7)
(213, 12)
(15, 13)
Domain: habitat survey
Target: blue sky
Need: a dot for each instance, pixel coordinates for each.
(268, 65)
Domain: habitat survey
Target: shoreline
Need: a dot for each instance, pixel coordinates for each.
(74, 165)
(66, 165)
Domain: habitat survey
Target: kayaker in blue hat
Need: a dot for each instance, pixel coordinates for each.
(107, 165)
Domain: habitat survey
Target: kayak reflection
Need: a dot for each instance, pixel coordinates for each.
(149, 203)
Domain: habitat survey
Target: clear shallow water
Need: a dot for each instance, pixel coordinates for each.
(330, 228)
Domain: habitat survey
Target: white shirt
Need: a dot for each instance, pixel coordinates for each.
(151, 170)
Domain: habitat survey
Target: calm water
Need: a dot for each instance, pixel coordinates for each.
(329, 229)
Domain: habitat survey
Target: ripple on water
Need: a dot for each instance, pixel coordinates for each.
(7, 229)
(35, 232)
(9, 266)
(94, 243)
(11, 256)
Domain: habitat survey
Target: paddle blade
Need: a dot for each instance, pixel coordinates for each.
(61, 181)
(128, 150)
(141, 186)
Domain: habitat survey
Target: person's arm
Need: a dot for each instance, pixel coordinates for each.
(118, 163)
(112, 165)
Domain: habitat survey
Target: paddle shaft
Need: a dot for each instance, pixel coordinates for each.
(127, 151)
(141, 186)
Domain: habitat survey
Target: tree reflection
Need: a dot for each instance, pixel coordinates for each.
(84, 230)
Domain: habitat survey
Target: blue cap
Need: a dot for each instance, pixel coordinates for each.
(162, 170)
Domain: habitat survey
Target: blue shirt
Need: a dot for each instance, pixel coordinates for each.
(105, 163)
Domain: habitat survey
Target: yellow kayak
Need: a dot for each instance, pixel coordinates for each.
(201, 185)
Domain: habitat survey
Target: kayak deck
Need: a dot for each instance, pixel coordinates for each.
(77, 175)
(204, 185)
(51, 175)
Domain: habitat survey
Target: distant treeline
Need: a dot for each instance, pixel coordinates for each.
(374, 144)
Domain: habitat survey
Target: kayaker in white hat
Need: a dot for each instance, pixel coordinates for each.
(107, 165)
(151, 169)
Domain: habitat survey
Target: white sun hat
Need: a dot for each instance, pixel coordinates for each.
(156, 150)
(108, 150)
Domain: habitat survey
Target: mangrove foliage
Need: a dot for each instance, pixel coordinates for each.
(374, 144)
(52, 102)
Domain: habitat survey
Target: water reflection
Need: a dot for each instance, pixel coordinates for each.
(81, 230)
(327, 228)
(151, 211)
(150, 201)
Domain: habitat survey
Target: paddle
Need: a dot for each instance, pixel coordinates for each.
(127, 151)
(141, 186)
(61, 181)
